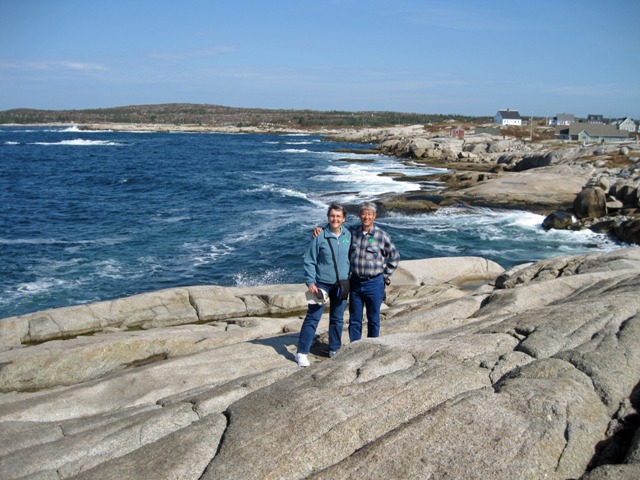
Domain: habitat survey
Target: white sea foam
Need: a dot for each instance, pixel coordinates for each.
(458, 229)
(111, 269)
(287, 192)
(72, 129)
(450, 249)
(291, 142)
(353, 156)
(93, 131)
(239, 238)
(81, 142)
(383, 163)
(11, 143)
(174, 219)
(296, 150)
(483, 219)
(49, 265)
(205, 253)
(40, 286)
(269, 277)
(367, 180)
(153, 265)
(172, 216)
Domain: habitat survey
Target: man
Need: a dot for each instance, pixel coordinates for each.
(373, 258)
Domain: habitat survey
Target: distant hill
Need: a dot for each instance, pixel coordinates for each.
(202, 114)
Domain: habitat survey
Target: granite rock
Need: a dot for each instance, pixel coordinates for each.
(479, 373)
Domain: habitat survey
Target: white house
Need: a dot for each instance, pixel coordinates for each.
(507, 117)
(625, 124)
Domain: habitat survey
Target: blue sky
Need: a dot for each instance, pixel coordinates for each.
(539, 57)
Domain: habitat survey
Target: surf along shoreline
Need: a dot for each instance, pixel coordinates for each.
(521, 168)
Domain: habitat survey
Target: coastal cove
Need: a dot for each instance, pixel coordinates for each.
(97, 214)
(509, 351)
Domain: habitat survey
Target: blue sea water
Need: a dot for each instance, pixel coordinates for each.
(90, 216)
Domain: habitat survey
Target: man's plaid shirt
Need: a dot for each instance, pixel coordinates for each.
(372, 253)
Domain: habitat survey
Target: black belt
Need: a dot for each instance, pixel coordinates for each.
(367, 278)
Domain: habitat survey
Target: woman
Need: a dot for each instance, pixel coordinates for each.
(320, 274)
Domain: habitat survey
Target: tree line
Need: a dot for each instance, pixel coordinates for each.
(202, 114)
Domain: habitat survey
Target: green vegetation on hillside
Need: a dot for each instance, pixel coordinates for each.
(196, 114)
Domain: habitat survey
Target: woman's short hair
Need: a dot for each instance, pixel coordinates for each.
(337, 206)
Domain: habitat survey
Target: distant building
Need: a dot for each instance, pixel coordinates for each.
(562, 119)
(626, 123)
(591, 132)
(457, 132)
(507, 117)
(591, 118)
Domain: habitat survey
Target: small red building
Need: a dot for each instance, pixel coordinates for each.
(457, 132)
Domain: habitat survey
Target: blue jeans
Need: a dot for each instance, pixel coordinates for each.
(369, 293)
(310, 323)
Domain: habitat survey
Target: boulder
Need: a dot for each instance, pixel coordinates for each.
(499, 146)
(614, 205)
(507, 159)
(419, 146)
(475, 148)
(591, 202)
(452, 270)
(558, 221)
(546, 159)
(606, 225)
(626, 192)
(629, 231)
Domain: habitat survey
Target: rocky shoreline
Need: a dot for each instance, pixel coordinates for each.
(595, 186)
(590, 186)
(479, 373)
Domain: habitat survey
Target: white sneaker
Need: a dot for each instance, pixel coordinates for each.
(332, 353)
(302, 359)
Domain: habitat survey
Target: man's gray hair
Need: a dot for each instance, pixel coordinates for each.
(369, 206)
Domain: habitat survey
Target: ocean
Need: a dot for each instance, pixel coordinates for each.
(97, 215)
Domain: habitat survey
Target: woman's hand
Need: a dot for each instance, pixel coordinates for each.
(313, 289)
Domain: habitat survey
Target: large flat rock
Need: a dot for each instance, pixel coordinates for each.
(534, 378)
(553, 187)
